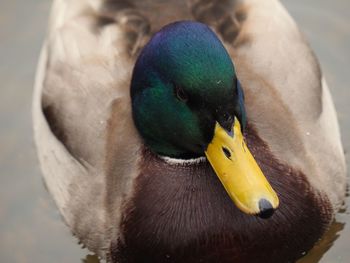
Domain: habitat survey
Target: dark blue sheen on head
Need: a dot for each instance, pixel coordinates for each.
(190, 54)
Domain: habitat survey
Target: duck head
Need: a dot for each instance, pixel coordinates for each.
(187, 102)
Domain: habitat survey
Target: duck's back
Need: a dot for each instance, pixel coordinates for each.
(88, 147)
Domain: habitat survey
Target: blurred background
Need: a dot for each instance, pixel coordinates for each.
(31, 229)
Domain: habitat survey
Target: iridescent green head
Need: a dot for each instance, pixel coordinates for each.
(183, 83)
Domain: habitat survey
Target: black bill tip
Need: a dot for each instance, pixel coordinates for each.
(266, 209)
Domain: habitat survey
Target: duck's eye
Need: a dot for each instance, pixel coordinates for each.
(181, 94)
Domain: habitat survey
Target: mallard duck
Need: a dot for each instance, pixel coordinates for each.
(198, 131)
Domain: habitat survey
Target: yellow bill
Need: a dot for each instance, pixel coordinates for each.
(239, 173)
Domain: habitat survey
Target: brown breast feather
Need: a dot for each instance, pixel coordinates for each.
(181, 213)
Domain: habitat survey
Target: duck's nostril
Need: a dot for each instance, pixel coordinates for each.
(266, 209)
(226, 152)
